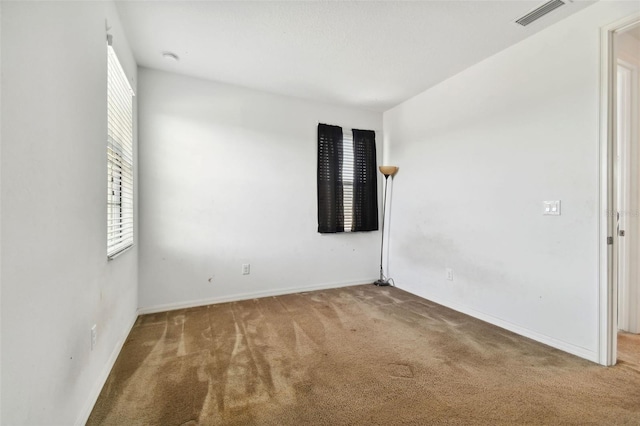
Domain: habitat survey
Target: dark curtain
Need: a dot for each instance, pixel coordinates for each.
(330, 197)
(365, 182)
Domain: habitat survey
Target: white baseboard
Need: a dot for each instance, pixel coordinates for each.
(102, 379)
(248, 296)
(542, 338)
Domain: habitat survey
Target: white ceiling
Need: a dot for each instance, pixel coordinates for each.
(366, 54)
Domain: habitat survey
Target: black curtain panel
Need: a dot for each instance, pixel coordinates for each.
(365, 182)
(330, 195)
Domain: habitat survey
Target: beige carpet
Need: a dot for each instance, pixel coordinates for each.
(629, 350)
(361, 355)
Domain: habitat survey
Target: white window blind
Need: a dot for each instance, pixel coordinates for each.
(119, 158)
(347, 178)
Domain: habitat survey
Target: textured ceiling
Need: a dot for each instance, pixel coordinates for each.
(366, 54)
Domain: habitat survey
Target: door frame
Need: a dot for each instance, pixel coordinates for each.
(607, 237)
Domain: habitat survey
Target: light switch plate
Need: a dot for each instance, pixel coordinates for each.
(551, 208)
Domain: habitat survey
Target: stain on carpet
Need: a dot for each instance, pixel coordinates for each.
(400, 370)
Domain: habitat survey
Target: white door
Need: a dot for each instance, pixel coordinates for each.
(628, 181)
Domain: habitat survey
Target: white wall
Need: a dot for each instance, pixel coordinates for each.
(56, 280)
(478, 154)
(228, 176)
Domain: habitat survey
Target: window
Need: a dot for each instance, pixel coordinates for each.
(119, 157)
(347, 180)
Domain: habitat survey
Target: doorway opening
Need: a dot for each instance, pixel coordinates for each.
(619, 230)
(626, 63)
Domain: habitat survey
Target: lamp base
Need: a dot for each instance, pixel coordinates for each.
(381, 282)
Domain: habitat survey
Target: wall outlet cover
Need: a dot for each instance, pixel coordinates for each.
(450, 274)
(551, 208)
(94, 336)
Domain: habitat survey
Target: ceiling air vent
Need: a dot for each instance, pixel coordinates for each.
(539, 12)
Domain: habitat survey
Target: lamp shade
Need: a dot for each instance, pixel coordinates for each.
(388, 170)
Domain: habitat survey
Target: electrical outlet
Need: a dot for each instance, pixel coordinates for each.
(94, 336)
(450, 274)
(246, 268)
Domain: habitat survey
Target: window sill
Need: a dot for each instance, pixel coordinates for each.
(119, 252)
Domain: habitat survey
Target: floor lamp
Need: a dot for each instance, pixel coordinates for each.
(386, 171)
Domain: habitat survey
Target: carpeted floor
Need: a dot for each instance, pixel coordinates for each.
(360, 355)
(629, 350)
